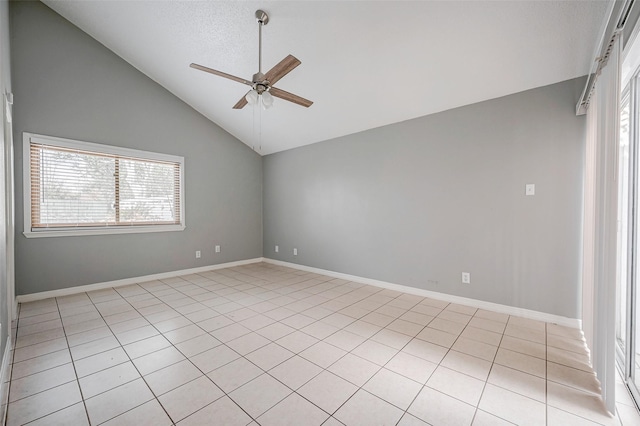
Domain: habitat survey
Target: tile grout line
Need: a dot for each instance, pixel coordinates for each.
(484, 387)
(86, 412)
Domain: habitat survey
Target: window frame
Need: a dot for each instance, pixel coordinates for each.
(30, 232)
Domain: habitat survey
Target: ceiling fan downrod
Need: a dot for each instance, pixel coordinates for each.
(263, 19)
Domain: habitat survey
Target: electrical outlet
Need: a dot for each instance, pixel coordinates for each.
(277, 249)
(217, 249)
(198, 254)
(466, 278)
(295, 251)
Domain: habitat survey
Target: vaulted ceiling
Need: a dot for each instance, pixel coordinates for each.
(365, 64)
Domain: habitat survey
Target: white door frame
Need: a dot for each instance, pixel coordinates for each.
(9, 207)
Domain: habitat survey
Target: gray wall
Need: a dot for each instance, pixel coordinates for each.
(68, 85)
(417, 203)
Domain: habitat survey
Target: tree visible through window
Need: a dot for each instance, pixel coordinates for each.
(77, 188)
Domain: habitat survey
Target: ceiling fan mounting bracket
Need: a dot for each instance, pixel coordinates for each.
(262, 17)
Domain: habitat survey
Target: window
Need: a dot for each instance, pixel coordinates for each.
(81, 188)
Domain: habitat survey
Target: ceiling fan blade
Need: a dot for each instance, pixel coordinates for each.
(221, 74)
(281, 69)
(241, 103)
(279, 93)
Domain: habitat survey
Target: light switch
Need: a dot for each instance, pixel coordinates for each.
(530, 189)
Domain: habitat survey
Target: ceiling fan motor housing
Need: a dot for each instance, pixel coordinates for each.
(260, 83)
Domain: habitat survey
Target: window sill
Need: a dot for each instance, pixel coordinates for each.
(103, 231)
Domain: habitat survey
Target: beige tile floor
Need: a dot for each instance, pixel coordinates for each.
(268, 345)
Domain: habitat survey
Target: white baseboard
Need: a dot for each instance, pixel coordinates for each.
(24, 298)
(496, 307)
(5, 377)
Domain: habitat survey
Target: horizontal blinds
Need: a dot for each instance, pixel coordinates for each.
(77, 188)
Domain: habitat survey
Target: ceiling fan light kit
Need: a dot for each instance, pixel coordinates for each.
(262, 89)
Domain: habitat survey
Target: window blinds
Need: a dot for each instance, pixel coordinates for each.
(73, 188)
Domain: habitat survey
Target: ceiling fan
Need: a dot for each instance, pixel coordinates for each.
(262, 89)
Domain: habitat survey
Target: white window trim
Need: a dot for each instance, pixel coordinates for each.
(27, 138)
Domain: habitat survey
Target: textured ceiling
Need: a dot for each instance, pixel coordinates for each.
(364, 64)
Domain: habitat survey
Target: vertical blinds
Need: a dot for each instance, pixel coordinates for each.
(77, 188)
